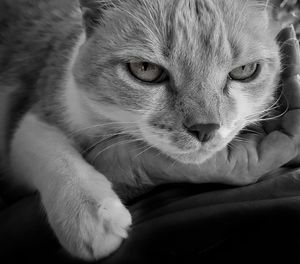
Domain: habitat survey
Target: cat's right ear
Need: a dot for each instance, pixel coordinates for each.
(92, 13)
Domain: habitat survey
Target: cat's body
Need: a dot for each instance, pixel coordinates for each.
(67, 78)
(51, 31)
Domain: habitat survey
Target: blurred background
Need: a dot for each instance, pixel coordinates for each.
(288, 13)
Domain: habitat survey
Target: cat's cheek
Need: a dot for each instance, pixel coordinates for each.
(184, 142)
(224, 132)
(241, 102)
(245, 111)
(169, 142)
(160, 140)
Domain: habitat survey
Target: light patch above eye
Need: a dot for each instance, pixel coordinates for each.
(245, 73)
(147, 72)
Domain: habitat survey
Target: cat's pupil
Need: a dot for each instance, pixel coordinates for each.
(145, 66)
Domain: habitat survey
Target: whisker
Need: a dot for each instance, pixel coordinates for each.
(142, 152)
(261, 116)
(108, 136)
(273, 117)
(272, 107)
(239, 139)
(173, 164)
(232, 146)
(100, 126)
(251, 131)
(115, 144)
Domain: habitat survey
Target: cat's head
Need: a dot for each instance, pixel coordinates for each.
(186, 75)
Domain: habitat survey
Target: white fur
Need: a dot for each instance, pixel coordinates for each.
(83, 210)
(224, 132)
(244, 106)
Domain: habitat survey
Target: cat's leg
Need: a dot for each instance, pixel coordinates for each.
(87, 216)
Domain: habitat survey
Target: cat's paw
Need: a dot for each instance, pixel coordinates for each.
(91, 230)
(110, 227)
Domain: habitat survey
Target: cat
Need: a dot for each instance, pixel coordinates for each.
(182, 76)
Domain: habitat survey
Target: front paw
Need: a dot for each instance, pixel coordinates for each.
(88, 229)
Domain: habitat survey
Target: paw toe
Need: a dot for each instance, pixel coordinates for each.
(116, 217)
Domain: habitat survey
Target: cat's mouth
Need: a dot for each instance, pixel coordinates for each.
(186, 149)
(202, 153)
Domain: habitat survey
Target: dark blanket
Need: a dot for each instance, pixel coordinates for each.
(179, 224)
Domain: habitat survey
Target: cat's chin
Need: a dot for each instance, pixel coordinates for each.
(204, 152)
(194, 157)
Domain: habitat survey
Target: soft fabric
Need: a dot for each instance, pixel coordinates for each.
(179, 224)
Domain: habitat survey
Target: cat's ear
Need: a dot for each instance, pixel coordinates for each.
(92, 13)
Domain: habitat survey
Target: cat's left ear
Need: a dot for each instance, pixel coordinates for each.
(92, 13)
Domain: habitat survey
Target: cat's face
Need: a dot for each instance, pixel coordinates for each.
(169, 68)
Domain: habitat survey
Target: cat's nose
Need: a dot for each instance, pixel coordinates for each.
(203, 132)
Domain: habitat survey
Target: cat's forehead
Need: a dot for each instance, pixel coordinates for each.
(196, 30)
(215, 29)
(184, 29)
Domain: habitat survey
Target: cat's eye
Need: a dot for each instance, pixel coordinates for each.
(245, 72)
(147, 72)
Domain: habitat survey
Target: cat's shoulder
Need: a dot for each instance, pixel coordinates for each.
(36, 41)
